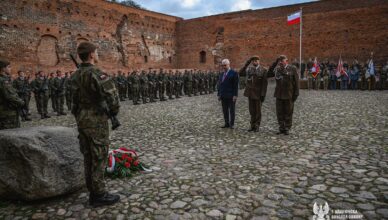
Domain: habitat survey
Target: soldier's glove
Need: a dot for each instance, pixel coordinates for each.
(262, 98)
(294, 98)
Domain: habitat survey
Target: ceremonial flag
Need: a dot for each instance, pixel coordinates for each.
(340, 68)
(315, 69)
(294, 18)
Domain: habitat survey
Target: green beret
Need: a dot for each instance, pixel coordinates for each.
(4, 63)
(255, 58)
(86, 48)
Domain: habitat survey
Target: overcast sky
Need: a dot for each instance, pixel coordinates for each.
(199, 8)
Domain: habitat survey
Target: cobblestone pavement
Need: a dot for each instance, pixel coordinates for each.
(336, 152)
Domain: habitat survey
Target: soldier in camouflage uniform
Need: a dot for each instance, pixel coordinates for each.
(188, 81)
(195, 83)
(9, 99)
(59, 84)
(129, 86)
(42, 94)
(122, 85)
(144, 86)
(170, 85)
(162, 85)
(68, 90)
(177, 85)
(286, 91)
(23, 90)
(255, 90)
(151, 86)
(135, 85)
(94, 91)
(53, 96)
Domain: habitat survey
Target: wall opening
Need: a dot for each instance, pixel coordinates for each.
(145, 59)
(202, 57)
(47, 51)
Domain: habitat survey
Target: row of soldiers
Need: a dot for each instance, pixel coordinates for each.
(148, 86)
(138, 86)
(56, 88)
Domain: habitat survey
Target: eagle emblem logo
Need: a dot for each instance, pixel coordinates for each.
(321, 211)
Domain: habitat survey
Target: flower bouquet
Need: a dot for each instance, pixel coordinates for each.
(124, 162)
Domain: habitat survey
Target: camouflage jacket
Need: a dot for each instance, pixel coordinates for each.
(22, 86)
(9, 100)
(93, 91)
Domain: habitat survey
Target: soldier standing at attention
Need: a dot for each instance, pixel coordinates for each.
(42, 94)
(52, 94)
(93, 89)
(255, 90)
(59, 91)
(286, 91)
(68, 90)
(23, 89)
(9, 99)
(135, 84)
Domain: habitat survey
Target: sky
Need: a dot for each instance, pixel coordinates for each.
(198, 8)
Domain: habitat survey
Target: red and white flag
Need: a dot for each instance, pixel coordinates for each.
(315, 70)
(340, 68)
(294, 18)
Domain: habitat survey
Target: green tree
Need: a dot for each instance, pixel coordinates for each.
(129, 3)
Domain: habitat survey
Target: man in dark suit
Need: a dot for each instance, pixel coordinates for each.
(227, 92)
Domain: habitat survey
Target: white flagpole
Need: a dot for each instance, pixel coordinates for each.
(300, 43)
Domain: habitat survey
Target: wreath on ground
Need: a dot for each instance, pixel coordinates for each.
(124, 162)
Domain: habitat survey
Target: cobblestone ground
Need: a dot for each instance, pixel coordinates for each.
(336, 152)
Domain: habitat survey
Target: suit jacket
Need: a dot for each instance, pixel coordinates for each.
(228, 87)
(257, 82)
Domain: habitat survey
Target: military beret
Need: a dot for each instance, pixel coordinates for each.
(282, 57)
(255, 57)
(86, 48)
(4, 63)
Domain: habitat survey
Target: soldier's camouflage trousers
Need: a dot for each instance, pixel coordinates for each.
(94, 145)
(60, 103)
(53, 102)
(42, 102)
(9, 122)
(68, 100)
(135, 95)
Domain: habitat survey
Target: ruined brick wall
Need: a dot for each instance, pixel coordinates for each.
(352, 28)
(40, 34)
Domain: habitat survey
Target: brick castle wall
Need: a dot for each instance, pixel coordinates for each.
(352, 28)
(40, 34)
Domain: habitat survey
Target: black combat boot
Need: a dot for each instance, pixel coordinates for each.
(103, 199)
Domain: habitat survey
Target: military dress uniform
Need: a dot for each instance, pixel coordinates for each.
(286, 93)
(256, 90)
(135, 86)
(91, 90)
(10, 102)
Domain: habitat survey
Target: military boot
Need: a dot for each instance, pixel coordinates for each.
(103, 199)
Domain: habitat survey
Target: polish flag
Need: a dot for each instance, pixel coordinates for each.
(294, 18)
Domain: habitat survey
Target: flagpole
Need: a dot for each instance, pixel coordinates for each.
(300, 42)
